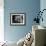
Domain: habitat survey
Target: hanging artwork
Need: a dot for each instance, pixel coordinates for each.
(17, 18)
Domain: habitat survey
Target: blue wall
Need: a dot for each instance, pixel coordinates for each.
(30, 7)
(43, 6)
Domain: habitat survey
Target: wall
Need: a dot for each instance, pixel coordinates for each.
(30, 7)
(43, 6)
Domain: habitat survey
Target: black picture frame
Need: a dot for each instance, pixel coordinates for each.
(17, 19)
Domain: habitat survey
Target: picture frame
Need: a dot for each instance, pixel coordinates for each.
(17, 19)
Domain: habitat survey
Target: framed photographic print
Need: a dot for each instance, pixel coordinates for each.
(17, 18)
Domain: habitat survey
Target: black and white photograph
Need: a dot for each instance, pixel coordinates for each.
(17, 18)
